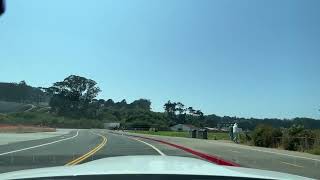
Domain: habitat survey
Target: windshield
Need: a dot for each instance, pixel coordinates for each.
(231, 82)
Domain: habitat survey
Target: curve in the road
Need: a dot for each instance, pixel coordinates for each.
(90, 153)
(208, 157)
(153, 147)
(40, 145)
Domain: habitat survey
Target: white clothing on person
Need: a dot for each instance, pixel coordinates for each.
(235, 132)
(235, 128)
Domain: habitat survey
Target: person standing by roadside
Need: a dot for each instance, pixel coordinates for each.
(235, 133)
(231, 132)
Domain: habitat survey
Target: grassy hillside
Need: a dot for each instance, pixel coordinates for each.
(39, 118)
(21, 93)
(24, 129)
(10, 107)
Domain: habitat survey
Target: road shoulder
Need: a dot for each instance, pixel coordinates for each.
(9, 138)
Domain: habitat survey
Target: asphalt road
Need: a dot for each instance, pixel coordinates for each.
(80, 146)
(298, 163)
(77, 147)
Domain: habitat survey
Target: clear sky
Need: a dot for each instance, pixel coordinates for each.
(239, 58)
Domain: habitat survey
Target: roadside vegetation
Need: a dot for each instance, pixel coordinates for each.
(211, 135)
(24, 129)
(218, 136)
(21, 93)
(163, 133)
(47, 120)
(295, 138)
(315, 150)
(10, 107)
(72, 103)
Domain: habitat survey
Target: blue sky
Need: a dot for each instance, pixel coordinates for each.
(237, 58)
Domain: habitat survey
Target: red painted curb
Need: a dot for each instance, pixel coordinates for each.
(208, 157)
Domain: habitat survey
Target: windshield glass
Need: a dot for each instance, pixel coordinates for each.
(229, 82)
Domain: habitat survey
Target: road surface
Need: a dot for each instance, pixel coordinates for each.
(81, 146)
(8, 138)
(298, 163)
(78, 145)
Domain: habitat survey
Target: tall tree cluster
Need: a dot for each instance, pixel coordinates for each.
(73, 96)
(178, 114)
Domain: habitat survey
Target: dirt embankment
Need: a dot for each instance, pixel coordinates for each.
(24, 129)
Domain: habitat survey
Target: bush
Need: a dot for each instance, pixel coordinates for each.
(3, 118)
(264, 135)
(297, 138)
(276, 137)
(315, 150)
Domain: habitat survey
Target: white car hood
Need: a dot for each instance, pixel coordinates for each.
(148, 165)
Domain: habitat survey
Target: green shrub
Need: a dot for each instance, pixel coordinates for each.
(245, 138)
(315, 150)
(3, 118)
(262, 136)
(276, 137)
(297, 138)
(265, 135)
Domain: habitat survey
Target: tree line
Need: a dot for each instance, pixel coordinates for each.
(177, 113)
(75, 98)
(21, 93)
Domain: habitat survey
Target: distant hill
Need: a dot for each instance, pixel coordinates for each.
(22, 93)
(10, 107)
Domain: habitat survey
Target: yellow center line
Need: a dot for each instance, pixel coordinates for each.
(90, 153)
(87, 155)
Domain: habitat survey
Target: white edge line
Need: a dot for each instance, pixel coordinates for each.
(160, 152)
(97, 134)
(253, 149)
(291, 164)
(234, 151)
(40, 145)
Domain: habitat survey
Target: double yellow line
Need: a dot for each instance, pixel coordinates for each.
(88, 154)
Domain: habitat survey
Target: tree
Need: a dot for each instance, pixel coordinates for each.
(72, 95)
(109, 103)
(101, 102)
(21, 92)
(170, 109)
(181, 119)
(144, 104)
(191, 110)
(198, 113)
(180, 108)
(23, 83)
(121, 104)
